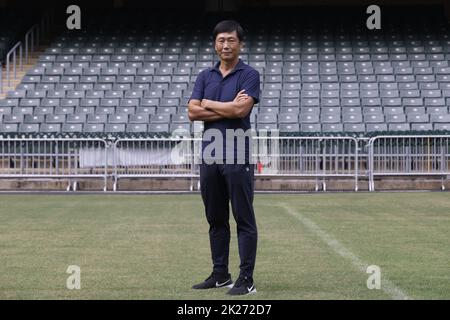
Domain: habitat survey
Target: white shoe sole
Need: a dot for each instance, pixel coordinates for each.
(252, 292)
(229, 286)
(246, 294)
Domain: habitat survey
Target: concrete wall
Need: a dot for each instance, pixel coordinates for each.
(261, 184)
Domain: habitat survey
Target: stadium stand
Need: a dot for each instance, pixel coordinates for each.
(135, 73)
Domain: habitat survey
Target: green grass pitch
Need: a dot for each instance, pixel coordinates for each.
(311, 246)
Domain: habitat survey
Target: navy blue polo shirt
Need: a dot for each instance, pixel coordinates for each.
(210, 84)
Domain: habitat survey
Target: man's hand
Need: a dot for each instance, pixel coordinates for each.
(205, 103)
(241, 96)
(197, 112)
(238, 108)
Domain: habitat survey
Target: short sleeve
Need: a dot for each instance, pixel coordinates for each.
(251, 85)
(198, 91)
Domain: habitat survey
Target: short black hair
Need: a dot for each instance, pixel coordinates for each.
(228, 26)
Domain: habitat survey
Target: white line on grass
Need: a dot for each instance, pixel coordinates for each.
(388, 287)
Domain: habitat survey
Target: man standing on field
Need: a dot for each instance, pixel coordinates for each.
(223, 97)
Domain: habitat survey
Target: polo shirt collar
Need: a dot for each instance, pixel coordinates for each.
(240, 65)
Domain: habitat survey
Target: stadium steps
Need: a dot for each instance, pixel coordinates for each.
(33, 58)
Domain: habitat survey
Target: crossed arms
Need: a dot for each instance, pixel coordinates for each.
(209, 110)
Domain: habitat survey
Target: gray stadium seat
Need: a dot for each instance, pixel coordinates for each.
(310, 127)
(116, 127)
(289, 127)
(371, 127)
(94, 127)
(158, 127)
(50, 127)
(8, 127)
(136, 127)
(28, 127)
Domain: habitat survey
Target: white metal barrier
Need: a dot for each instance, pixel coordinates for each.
(363, 156)
(179, 157)
(156, 158)
(318, 157)
(418, 155)
(62, 158)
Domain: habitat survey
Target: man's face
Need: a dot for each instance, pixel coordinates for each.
(228, 46)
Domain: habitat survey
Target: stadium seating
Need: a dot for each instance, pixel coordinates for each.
(329, 76)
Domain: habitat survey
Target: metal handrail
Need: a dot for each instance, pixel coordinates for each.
(31, 32)
(1, 78)
(32, 39)
(13, 52)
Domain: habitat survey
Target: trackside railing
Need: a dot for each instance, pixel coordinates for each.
(61, 158)
(179, 157)
(363, 156)
(155, 158)
(409, 155)
(318, 157)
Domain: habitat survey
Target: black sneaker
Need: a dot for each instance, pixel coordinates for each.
(243, 286)
(215, 281)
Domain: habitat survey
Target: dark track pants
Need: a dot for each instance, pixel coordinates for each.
(221, 184)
